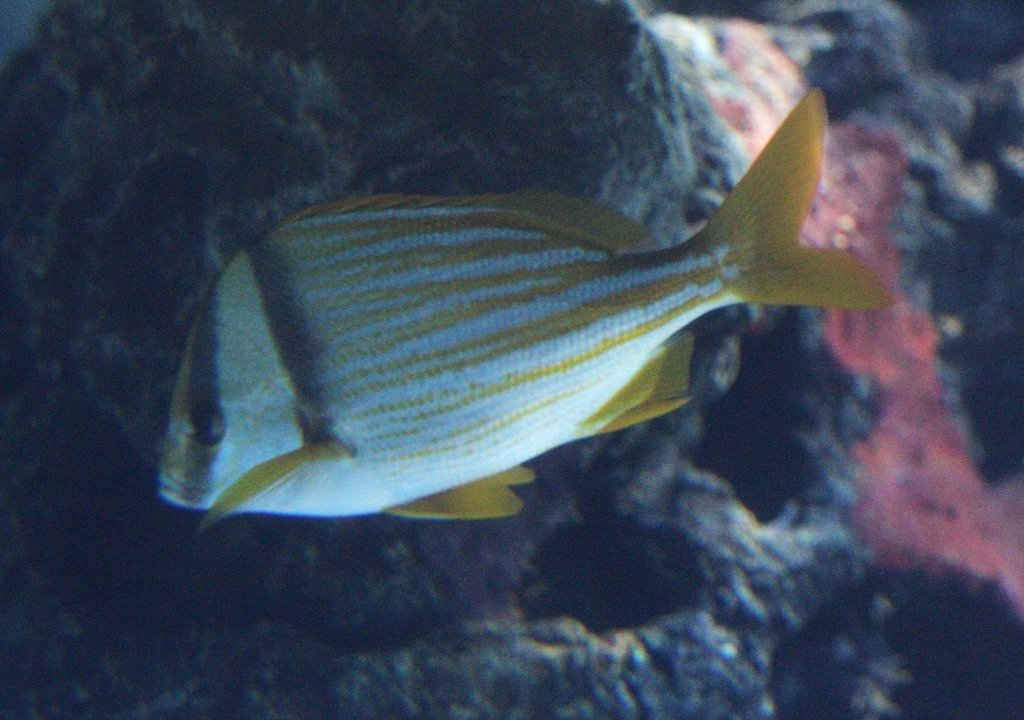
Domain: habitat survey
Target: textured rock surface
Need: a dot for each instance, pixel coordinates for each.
(142, 143)
(956, 115)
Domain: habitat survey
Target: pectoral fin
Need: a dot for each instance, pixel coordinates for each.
(268, 475)
(488, 497)
(657, 388)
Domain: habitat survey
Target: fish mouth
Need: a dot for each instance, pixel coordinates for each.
(184, 475)
(175, 493)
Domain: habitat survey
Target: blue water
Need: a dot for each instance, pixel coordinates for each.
(17, 20)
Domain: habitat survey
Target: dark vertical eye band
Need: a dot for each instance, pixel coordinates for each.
(299, 351)
(202, 392)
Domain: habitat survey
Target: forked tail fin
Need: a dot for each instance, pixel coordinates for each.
(756, 230)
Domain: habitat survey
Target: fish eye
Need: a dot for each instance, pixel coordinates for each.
(207, 424)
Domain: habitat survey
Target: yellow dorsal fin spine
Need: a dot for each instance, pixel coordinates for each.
(758, 225)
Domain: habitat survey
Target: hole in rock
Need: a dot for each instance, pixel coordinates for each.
(111, 547)
(994, 399)
(752, 435)
(836, 661)
(611, 575)
(966, 39)
(978, 282)
(962, 646)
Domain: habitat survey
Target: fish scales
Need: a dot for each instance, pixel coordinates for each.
(377, 235)
(558, 350)
(386, 323)
(407, 353)
(466, 414)
(423, 280)
(402, 265)
(494, 346)
(570, 334)
(451, 320)
(493, 341)
(457, 290)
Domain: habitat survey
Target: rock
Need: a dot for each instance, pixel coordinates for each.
(143, 143)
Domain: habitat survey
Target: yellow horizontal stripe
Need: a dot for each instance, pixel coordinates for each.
(451, 316)
(319, 243)
(514, 380)
(500, 343)
(496, 425)
(390, 273)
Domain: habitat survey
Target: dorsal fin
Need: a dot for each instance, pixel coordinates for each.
(593, 222)
(387, 201)
(586, 221)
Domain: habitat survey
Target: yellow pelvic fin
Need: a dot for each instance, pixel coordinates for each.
(268, 475)
(488, 497)
(758, 225)
(657, 388)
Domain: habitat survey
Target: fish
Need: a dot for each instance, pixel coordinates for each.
(408, 354)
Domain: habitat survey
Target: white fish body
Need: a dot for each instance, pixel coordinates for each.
(407, 354)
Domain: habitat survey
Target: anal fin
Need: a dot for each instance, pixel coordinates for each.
(487, 497)
(657, 388)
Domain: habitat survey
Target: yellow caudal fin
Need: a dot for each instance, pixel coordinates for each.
(481, 499)
(758, 226)
(266, 476)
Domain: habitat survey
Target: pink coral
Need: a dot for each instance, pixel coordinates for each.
(769, 83)
(922, 501)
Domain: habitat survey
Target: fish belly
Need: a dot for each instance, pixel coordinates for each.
(409, 453)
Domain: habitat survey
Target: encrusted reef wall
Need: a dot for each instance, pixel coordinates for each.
(744, 557)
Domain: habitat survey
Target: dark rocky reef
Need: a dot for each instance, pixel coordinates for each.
(142, 143)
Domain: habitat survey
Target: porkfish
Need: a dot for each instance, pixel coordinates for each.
(406, 354)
